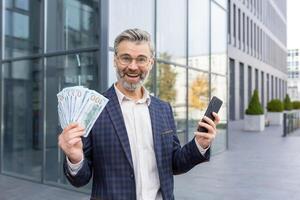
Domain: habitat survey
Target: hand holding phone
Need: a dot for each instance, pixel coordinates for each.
(213, 106)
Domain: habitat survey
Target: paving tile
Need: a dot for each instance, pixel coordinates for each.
(257, 165)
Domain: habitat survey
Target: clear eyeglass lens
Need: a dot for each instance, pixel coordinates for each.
(126, 60)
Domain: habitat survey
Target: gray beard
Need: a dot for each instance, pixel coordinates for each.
(130, 86)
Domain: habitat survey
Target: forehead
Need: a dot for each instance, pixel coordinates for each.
(134, 48)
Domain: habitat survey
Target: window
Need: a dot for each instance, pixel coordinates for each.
(72, 24)
(234, 25)
(249, 83)
(239, 27)
(22, 28)
(244, 31)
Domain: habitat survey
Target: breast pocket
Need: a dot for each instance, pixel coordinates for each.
(167, 140)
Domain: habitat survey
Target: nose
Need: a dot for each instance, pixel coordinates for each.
(133, 65)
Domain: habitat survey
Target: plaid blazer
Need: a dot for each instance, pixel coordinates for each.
(108, 157)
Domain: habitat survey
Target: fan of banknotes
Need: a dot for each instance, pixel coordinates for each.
(79, 104)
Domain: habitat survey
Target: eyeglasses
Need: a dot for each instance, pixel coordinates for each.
(127, 60)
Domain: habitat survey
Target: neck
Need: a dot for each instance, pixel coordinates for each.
(135, 94)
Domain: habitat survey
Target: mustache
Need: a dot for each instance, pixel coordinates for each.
(128, 71)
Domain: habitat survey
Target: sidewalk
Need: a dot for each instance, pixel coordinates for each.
(260, 166)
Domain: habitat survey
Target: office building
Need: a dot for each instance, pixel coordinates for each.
(257, 40)
(51, 44)
(293, 74)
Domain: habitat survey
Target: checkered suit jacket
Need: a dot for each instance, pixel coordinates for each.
(108, 157)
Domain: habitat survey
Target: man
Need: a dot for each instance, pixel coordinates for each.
(132, 151)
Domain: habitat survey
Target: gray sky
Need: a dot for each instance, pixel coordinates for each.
(293, 21)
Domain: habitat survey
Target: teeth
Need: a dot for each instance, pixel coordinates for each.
(132, 75)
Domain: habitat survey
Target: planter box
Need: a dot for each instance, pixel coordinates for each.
(275, 118)
(254, 122)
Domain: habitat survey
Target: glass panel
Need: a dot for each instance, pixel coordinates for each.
(198, 98)
(22, 28)
(218, 40)
(171, 87)
(219, 89)
(222, 3)
(64, 71)
(23, 118)
(171, 36)
(22, 4)
(130, 12)
(199, 34)
(72, 24)
(112, 78)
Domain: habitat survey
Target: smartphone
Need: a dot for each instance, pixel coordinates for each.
(213, 106)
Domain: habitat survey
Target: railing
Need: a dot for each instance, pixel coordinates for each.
(291, 122)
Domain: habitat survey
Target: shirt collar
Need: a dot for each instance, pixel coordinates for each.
(122, 97)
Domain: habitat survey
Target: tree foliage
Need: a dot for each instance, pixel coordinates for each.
(275, 105)
(254, 107)
(166, 79)
(199, 88)
(287, 103)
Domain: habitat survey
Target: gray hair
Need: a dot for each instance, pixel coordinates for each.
(134, 35)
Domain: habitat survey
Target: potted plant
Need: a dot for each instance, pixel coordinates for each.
(275, 112)
(296, 105)
(254, 118)
(287, 103)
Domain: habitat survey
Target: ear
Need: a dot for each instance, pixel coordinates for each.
(151, 63)
(115, 61)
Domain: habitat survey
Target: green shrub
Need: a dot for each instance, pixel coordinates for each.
(254, 107)
(287, 103)
(275, 105)
(296, 104)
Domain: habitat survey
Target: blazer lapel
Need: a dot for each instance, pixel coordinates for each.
(115, 113)
(156, 130)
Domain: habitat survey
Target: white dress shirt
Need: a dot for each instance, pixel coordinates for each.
(138, 126)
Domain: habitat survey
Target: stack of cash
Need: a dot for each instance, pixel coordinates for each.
(81, 105)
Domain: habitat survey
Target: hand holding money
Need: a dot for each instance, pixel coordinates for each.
(81, 105)
(70, 142)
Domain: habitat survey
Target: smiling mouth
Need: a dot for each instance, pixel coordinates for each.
(132, 75)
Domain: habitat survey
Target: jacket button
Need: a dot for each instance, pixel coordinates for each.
(131, 176)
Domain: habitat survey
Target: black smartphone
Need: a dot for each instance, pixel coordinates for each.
(213, 106)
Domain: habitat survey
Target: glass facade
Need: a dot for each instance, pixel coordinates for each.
(51, 44)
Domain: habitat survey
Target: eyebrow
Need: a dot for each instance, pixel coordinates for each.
(126, 54)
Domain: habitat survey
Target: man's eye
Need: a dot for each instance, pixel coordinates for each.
(141, 59)
(126, 58)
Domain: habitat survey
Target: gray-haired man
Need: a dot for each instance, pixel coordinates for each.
(133, 150)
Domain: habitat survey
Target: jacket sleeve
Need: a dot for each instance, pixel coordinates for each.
(83, 176)
(186, 157)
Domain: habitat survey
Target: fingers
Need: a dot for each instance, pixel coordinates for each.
(71, 134)
(207, 136)
(73, 141)
(217, 118)
(208, 127)
(70, 126)
(211, 122)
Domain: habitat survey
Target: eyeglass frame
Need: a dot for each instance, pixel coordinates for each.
(136, 61)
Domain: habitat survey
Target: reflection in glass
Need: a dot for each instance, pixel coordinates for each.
(198, 92)
(22, 29)
(222, 3)
(219, 83)
(135, 14)
(218, 40)
(171, 30)
(171, 87)
(23, 118)
(72, 24)
(64, 71)
(198, 39)
(112, 77)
